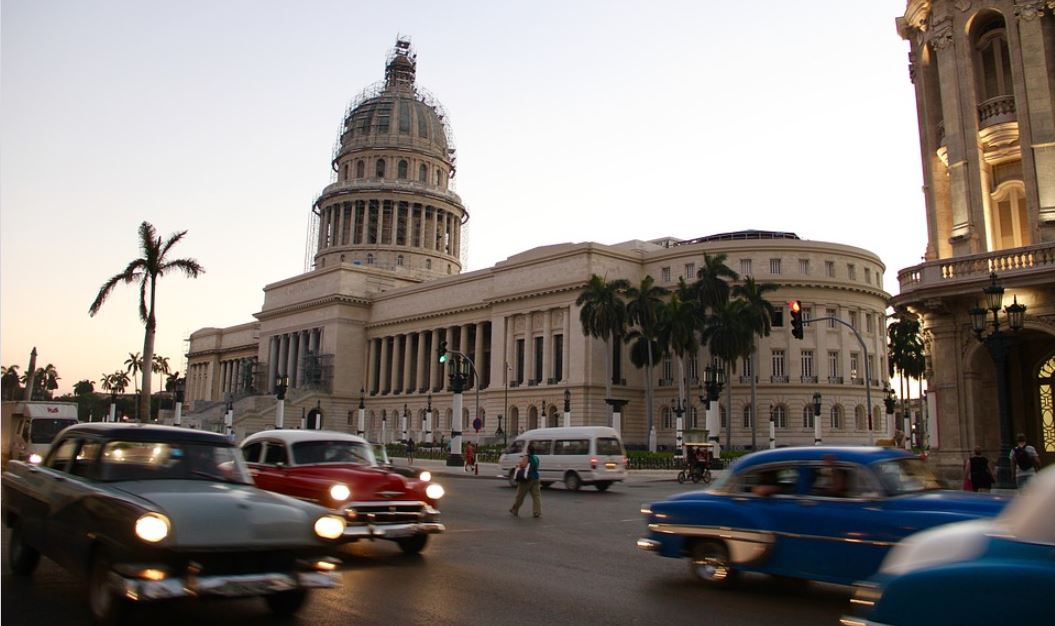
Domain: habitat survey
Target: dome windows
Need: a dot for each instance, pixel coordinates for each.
(360, 169)
(401, 169)
(423, 125)
(423, 173)
(379, 168)
(404, 117)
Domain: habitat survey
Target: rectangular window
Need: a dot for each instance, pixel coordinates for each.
(748, 414)
(749, 366)
(832, 315)
(872, 366)
(690, 271)
(664, 274)
(854, 361)
(558, 357)
(668, 418)
(807, 363)
(778, 363)
(829, 269)
(520, 362)
(869, 323)
(851, 271)
(668, 369)
(807, 314)
(833, 364)
(868, 275)
(853, 319)
(538, 358)
(694, 368)
(745, 267)
(774, 266)
(804, 267)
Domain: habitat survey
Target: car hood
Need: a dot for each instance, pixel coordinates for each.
(366, 483)
(962, 503)
(209, 514)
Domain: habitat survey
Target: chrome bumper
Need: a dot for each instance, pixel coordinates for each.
(648, 545)
(393, 531)
(223, 586)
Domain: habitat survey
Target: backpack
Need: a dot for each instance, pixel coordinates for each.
(1023, 458)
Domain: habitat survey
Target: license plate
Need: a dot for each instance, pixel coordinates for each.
(609, 466)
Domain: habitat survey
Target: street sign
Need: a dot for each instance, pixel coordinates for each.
(477, 424)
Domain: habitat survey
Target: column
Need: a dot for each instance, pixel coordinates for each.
(283, 353)
(1035, 89)
(272, 366)
(566, 353)
(419, 374)
(435, 369)
(371, 371)
(478, 354)
(380, 221)
(383, 370)
(407, 362)
(397, 365)
(510, 349)
(529, 349)
(547, 347)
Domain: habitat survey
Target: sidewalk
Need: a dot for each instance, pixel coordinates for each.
(491, 471)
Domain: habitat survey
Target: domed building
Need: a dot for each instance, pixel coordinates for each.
(355, 340)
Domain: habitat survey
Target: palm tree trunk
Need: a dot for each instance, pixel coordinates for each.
(148, 358)
(728, 407)
(648, 397)
(608, 375)
(754, 394)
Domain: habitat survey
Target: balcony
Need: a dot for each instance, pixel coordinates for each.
(746, 380)
(857, 381)
(996, 111)
(514, 383)
(533, 382)
(779, 379)
(973, 271)
(666, 382)
(809, 379)
(835, 380)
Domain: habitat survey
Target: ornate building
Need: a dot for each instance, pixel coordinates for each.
(363, 326)
(984, 77)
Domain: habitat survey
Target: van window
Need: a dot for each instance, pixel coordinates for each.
(542, 446)
(572, 446)
(515, 448)
(45, 430)
(609, 446)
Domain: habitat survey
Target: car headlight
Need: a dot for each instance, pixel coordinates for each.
(35, 459)
(329, 527)
(152, 527)
(340, 492)
(425, 476)
(434, 491)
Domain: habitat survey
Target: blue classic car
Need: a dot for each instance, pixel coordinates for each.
(149, 513)
(996, 569)
(819, 513)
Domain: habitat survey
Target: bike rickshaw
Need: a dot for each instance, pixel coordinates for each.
(698, 457)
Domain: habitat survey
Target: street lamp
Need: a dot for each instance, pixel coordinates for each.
(679, 425)
(428, 420)
(499, 432)
(999, 343)
(178, 386)
(713, 381)
(817, 419)
(281, 384)
(113, 404)
(360, 427)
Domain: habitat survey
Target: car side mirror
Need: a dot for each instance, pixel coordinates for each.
(280, 465)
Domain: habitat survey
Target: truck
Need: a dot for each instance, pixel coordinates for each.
(29, 427)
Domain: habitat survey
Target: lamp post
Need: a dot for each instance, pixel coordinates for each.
(499, 432)
(506, 373)
(404, 422)
(228, 419)
(318, 415)
(772, 429)
(679, 426)
(817, 419)
(999, 343)
(459, 377)
(281, 384)
(889, 402)
(428, 419)
(178, 387)
(713, 381)
(567, 408)
(360, 427)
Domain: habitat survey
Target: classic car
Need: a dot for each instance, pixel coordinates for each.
(153, 512)
(381, 454)
(339, 471)
(819, 513)
(996, 569)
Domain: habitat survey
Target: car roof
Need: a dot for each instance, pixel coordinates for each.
(851, 454)
(297, 436)
(130, 431)
(569, 431)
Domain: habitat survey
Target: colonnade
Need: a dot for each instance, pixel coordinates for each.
(236, 375)
(198, 380)
(286, 355)
(390, 222)
(409, 362)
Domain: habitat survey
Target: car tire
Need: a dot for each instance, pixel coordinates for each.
(602, 485)
(572, 481)
(413, 545)
(22, 558)
(709, 561)
(286, 603)
(108, 606)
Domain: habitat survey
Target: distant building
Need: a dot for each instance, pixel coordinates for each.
(386, 287)
(984, 73)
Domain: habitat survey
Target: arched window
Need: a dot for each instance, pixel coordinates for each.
(428, 264)
(779, 415)
(369, 259)
(360, 169)
(439, 176)
(860, 418)
(807, 416)
(993, 61)
(345, 175)
(1010, 222)
(423, 173)
(399, 260)
(836, 417)
(380, 168)
(423, 124)
(401, 170)
(747, 416)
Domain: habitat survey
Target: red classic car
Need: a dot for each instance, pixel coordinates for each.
(339, 471)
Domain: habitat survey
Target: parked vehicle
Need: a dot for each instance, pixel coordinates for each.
(29, 427)
(576, 456)
(340, 471)
(381, 454)
(151, 512)
(819, 513)
(993, 568)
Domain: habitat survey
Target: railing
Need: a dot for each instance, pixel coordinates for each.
(746, 380)
(835, 380)
(809, 379)
(666, 382)
(996, 111)
(391, 183)
(778, 379)
(857, 381)
(976, 267)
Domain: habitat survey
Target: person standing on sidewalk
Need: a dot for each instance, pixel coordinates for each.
(410, 451)
(1024, 461)
(529, 463)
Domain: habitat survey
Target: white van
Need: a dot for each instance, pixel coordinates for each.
(590, 455)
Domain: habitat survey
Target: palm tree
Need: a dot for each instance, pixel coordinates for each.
(160, 364)
(134, 365)
(643, 304)
(728, 334)
(9, 382)
(83, 387)
(760, 317)
(45, 380)
(712, 282)
(603, 316)
(906, 353)
(146, 270)
(677, 332)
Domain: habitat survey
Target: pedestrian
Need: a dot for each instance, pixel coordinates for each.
(978, 472)
(470, 457)
(528, 480)
(410, 451)
(1024, 461)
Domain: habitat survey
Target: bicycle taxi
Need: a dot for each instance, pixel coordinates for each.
(698, 457)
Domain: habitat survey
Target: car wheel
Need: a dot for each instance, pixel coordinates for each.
(602, 485)
(413, 545)
(108, 606)
(286, 602)
(572, 481)
(709, 561)
(21, 557)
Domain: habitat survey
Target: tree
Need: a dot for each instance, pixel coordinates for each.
(760, 317)
(134, 365)
(712, 281)
(44, 381)
(679, 324)
(907, 356)
(83, 387)
(10, 383)
(160, 364)
(602, 314)
(728, 334)
(146, 270)
(643, 305)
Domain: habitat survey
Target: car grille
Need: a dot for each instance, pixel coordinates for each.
(235, 562)
(385, 512)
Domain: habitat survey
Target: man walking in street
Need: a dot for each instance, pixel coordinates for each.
(1024, 461)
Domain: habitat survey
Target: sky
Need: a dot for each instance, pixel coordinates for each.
(574, 121)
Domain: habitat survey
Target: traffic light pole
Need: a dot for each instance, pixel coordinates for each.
(868, 372)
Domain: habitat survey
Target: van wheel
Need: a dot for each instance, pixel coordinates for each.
(20, 556)
(602, 485)
(572, 481)
(709, 561)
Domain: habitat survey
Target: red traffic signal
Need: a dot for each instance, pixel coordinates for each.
(796, 318)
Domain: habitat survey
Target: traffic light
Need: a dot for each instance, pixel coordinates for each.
(443, 352)
(796, 318)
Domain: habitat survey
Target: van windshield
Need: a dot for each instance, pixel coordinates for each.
(609, 446)
(44, 430)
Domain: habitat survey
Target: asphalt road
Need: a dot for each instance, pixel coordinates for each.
(576, 565)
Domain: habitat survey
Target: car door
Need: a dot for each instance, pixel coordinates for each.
(43, 484)
(69, 523)
(270, 471)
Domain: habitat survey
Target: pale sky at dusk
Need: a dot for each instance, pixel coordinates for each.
(574, 121)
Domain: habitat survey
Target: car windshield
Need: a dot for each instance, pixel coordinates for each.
(906, 475)
(313, 452)
(44, 430)
(168, 460)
